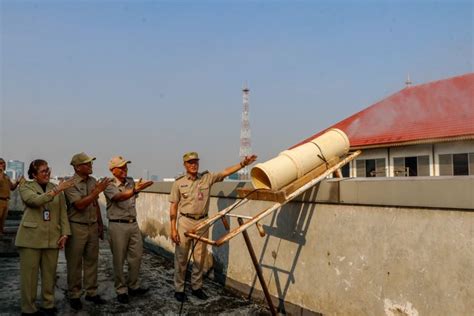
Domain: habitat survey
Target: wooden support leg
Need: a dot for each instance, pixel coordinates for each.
(257, 269)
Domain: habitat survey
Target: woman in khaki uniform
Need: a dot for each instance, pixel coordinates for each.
(43, 230)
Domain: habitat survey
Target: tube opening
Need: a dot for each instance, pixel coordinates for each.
(260, 180)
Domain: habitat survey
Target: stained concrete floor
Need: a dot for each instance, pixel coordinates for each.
(156, 273)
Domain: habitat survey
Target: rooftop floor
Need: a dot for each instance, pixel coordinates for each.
(156, 273)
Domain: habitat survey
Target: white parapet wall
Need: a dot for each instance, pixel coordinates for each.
(348, 247)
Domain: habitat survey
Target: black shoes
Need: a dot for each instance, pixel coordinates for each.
(49, 311)
(96, 299)
(180, 296)
(137, 292)
(199, 293)
(75, 303)
(123, 298)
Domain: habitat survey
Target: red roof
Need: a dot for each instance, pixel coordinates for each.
(435, 111)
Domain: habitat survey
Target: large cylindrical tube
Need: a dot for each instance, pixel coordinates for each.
(292, 164)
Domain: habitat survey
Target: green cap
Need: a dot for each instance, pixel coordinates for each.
(79, 159)
(192, 155)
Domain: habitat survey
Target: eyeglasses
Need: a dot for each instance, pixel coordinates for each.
(45, 171)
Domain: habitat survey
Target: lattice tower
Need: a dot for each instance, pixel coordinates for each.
(245, 143)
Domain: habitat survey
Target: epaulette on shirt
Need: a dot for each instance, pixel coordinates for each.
(204, 172)
(179, 177)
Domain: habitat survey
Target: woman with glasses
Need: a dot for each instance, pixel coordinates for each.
(43, 230)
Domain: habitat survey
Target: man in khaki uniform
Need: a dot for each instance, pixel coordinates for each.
(190, 198)
(82, 248)
(124, 234)
(6, 185)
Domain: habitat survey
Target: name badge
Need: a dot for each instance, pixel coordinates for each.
(46, 216)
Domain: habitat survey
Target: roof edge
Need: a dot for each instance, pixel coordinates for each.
(417, 142)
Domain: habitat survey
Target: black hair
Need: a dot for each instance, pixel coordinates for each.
(34, 166)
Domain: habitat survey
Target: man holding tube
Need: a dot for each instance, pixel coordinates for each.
(189, 198)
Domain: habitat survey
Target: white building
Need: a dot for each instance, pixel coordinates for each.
(423, 130)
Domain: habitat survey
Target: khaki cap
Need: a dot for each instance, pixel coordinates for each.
(192, 155)
(117, 162)
(79, 159)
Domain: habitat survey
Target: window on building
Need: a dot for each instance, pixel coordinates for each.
(346, 171)
(456, 164)
(371, 168)
(411, 166)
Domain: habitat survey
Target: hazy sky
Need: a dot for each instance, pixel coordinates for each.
(151, 80)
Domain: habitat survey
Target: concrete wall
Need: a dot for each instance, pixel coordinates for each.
(386, 246)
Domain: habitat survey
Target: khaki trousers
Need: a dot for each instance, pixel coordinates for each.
(3, 214)
(82, 252)
(126, 243)
(181, 255)
(31, 261)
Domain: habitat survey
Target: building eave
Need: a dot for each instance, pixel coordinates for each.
(417, 142)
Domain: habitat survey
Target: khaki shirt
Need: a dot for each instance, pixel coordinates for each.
(5, 187)
(81, 189)
(120, 209)
(191, 195)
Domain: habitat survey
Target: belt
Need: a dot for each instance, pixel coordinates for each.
(128, 221)
(196, 217)
(4, 199)
(83, 223)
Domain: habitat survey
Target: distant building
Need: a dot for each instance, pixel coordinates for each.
(11, 173)
(422, 130)
(17, 166)
(154, 177)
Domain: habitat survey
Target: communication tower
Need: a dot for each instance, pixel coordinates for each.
(245, 144)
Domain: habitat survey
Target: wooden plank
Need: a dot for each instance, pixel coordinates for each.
(261, 194)
(200, 238)
(316, 172)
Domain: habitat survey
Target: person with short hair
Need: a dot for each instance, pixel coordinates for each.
(43, 230)
(124, 234)
(189, 197)
(85, 219)
(6, 185)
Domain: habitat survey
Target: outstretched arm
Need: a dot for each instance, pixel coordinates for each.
(232, 169)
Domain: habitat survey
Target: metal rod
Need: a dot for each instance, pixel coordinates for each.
(258, 269)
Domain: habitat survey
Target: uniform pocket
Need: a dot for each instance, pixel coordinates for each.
(184, 193)
(30, 224)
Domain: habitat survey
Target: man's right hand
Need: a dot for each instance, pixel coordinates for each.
(141, 185)
(102, 184)
(175, 236)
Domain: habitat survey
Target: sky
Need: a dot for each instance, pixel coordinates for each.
(151, 80)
